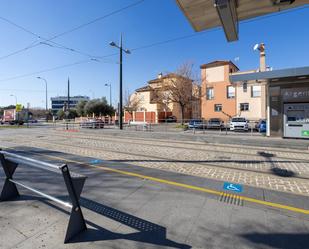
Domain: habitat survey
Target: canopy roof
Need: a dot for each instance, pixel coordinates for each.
(206, 14)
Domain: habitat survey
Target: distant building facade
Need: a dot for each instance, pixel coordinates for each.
(57, 103)
(154, 110)
(218, 95)
(251, 98)
(251, 94)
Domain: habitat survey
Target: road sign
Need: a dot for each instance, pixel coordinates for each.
(232, 187)
(19, 107)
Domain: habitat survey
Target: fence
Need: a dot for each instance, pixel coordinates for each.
(73, 182)
(164, 125)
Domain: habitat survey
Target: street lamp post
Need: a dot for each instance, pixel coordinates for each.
(12, 95)
(46, 104)
(113, 44)
(110, 93)
(17, 115)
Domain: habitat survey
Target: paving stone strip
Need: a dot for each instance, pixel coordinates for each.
(222, 165)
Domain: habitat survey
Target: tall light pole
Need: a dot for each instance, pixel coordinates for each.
(46, 103)
(113, 44)
(12, 95)
(110, 93)
(16, 113)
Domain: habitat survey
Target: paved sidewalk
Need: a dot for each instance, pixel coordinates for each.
(128, 212)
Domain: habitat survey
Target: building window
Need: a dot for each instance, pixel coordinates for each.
(230, 92)
(209, 93)
(218, 107)
(244, 107)
(244, 87)
(255, 91)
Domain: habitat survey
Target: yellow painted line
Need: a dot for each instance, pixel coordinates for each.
(182, 185)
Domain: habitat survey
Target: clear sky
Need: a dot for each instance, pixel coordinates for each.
(286, 37)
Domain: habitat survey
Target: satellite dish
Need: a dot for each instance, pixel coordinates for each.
(256, 46)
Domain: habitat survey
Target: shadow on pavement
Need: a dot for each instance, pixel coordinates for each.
(279, 240)
(148, 232)
(274, 169)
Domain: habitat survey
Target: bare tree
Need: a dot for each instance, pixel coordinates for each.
(178, 89)
(132, 103)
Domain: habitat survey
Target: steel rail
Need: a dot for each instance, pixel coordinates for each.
(30, 160)
(52, 198)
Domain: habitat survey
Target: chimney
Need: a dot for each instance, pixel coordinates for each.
(262, 57)
(160, 75)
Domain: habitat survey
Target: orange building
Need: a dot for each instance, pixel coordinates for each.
(218, 97)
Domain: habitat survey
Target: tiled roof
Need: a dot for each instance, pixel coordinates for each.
(143, 89)
(217, 63)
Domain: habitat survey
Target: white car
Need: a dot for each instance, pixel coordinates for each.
(239, 124)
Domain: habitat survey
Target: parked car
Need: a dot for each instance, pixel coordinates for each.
(93, 123)
(215, 123)
(32, 121)
(261, 126)
(239, 123)
(196, 124)
(171, 119)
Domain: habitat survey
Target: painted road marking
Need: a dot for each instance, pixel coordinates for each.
(96, 161)
(232, 187)
(182, 185)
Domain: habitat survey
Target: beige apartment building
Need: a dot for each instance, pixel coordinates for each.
(151, 108)
(251, 99)
(223, 99)
(251, 95)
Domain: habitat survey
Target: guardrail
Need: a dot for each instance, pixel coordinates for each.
(73, 182)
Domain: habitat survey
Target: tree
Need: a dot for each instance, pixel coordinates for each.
(132, 103)
(38, 113)
(60, 114)
(98, 107)
(71, 115)
(178, 89)
(80, 107)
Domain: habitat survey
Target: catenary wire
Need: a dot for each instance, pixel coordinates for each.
(154, 44)
(63, 33)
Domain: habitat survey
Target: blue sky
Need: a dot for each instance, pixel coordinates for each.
(286, 37)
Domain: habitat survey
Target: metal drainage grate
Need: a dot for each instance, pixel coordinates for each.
(231, 199)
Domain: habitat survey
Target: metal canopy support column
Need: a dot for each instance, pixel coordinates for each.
(9, 190)
(268, 97)
(228, 16)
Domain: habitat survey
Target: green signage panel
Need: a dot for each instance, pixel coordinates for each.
(305, 133)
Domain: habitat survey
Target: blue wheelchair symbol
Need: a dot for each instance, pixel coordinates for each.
(96, 161)
(232, 187)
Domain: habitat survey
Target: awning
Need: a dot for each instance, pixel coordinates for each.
(299, 72)
(206, 14)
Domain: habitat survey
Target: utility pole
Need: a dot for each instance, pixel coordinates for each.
(46, 103)
(68, 94)
(113, 44)
(110, 93)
